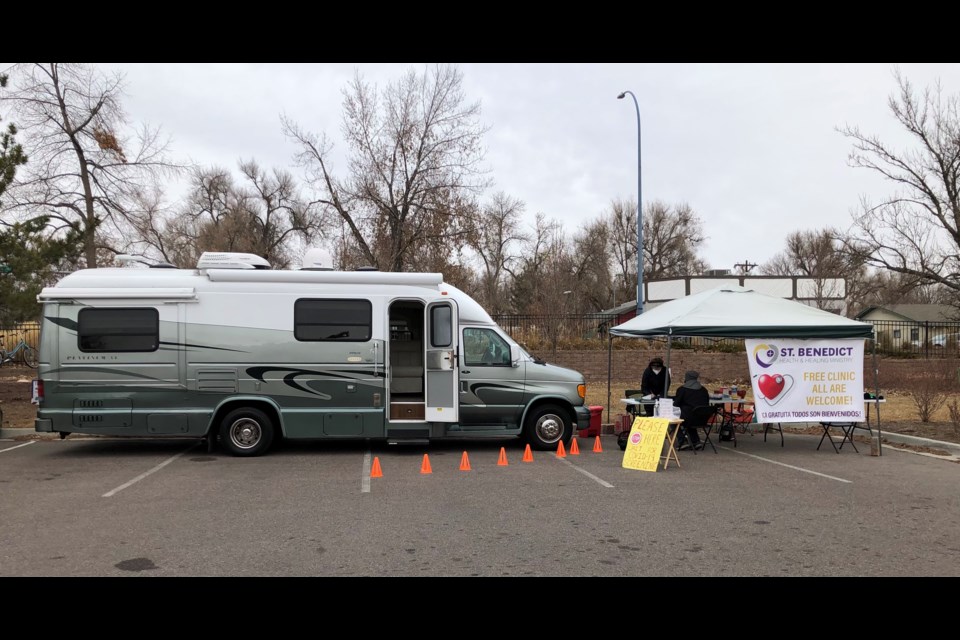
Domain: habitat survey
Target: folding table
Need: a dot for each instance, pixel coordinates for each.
(847, 429)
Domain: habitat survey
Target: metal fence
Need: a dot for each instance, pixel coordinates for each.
(918, 339)
(29, 331)
(590, 331)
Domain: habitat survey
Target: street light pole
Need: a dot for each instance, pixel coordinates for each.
(639, 210)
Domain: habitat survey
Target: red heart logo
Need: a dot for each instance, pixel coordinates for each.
(770, 386)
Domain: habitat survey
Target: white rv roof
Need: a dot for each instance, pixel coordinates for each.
(132, 283)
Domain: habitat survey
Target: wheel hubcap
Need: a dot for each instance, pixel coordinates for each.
(550, 428)
(245, 433)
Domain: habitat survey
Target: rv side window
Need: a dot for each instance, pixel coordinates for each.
(337, 320)
(484, 347)
(118, 330)
(441, 326)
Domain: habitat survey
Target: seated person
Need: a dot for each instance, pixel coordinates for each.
(493, 355)
(691, 394)
(655, 379)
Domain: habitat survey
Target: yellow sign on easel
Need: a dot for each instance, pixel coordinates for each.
(645, 444)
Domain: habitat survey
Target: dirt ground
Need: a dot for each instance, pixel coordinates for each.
(898, 414)
(15, 396)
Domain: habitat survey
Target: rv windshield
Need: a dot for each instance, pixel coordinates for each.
(535, 359)
(523, 350)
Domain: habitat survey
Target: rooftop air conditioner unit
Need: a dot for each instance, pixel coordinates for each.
(718, 272)
(223, 260)
(317, 259)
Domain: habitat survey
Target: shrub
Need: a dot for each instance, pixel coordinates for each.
(931, 389)
(954, 407)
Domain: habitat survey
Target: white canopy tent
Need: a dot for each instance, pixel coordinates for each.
(731, 311)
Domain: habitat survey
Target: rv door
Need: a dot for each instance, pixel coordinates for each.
(442, 370)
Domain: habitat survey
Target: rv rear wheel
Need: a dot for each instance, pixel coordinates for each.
(246, 432)
(546, 426)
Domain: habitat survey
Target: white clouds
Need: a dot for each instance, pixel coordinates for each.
(752, 148)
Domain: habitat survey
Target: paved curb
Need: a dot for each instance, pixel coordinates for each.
(917, 441)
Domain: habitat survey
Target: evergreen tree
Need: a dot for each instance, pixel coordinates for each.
(33, 261)
(11, 153)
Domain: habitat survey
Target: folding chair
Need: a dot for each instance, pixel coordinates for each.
(729, 422)
(743, 418)
(703, 418)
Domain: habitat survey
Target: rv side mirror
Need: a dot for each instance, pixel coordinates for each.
(514, 355)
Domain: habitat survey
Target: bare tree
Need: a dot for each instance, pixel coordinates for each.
(671, 237)
(86, 168)
(261, 216)
(916, 230)
(591, 266)
(816, 255)
(622, 224)
(151, 233)
(545, 275)
(880, 288)
(495, 238)
(414, 162)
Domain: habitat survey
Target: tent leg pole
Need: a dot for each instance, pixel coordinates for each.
(666, 386)
(609, 371)
(876, 382)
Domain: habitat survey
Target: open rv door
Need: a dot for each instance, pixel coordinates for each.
(442, 372)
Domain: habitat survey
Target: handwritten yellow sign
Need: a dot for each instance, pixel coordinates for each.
(645, 444)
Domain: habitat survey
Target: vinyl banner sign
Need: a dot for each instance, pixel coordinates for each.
(807, 380)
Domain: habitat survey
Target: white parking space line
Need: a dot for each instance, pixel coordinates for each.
(18, 446)
(365, 474)
(601, 481)
(789, 466)
(147, 473)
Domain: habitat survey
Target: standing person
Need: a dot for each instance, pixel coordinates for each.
(655, 379)
(691, 394)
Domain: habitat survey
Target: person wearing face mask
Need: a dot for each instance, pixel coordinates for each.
(653, 382)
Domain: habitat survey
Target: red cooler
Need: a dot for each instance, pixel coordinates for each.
(596, 417)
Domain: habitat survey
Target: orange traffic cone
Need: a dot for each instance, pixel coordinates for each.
(502, 460)
(597, 448)
(527, 455)
(561, 452)
(375, 471)
(464, 462)
(425, 467)
(574, 447)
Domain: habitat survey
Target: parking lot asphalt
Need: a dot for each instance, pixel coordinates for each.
(105, 507)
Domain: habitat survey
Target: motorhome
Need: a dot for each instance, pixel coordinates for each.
(241, 354)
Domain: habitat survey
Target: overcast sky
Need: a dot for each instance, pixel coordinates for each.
(753, 148)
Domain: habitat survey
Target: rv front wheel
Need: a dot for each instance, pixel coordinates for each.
(546, 426)
(246, 432)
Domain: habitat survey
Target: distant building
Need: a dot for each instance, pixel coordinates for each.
(913, 325)
(828, 294)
